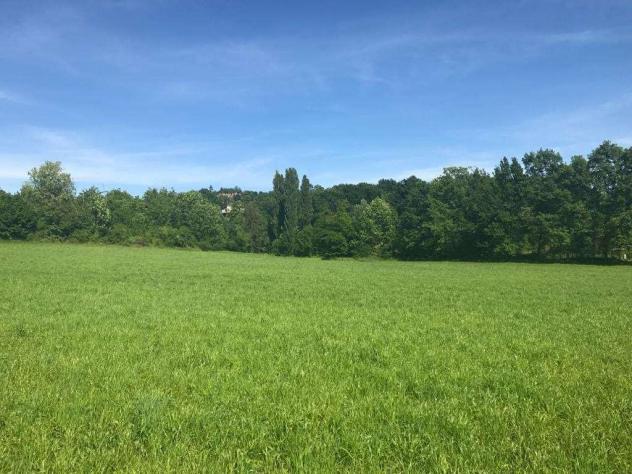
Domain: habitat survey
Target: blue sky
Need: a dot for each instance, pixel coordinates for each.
(187, 94)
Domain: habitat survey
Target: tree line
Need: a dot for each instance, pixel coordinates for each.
(539, 207)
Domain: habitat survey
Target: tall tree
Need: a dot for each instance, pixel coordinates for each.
(128, 217)
(292, 201)
(333, 232)
(605, 166)
(51, 193)
(160, 206)
(255, 226)
(306, 205)
(375, 226)
(509, 228)
(544, 203)
(411, 239)
(574, 212)
(202, 218)
(17, 218)
(279, 210)
(95, 216)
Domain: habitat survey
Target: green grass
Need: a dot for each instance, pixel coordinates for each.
(163, 360)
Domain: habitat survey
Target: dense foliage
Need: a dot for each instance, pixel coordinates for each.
(542, 207)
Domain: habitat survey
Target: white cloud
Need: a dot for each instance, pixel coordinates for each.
(11, 97)
(240, 71)
(107, 168)
(577, 130)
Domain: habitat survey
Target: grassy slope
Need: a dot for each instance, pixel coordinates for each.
(150, 359)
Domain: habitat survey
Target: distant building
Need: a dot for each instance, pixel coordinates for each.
(623, 253)
(228, 196)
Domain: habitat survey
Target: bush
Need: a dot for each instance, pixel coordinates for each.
(83, 235)
(303, 246)
(119, 234)
(330, 244)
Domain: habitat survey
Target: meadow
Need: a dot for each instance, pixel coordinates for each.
(148, 359)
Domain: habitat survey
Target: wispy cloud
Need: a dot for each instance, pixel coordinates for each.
(11, 97)
(239, 70)
(571, 130)
(575, 130)
(107, 168)
(584, 37)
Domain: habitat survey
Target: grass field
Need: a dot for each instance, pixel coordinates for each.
(163, 360)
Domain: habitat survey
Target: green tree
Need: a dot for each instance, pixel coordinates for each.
(306, 205)
(292, 202)
(279, 209)
(333, 232)
(129, 223)
(94, 214)
(255, 226)
(608, 166)
(160, 206)
(462, 207)
(51, 193)
(411, 205)
(574, 212)
(508, 228)
(17, 218)
(287, 200)
(203, 218)
(238, 238)
(375, 226)
(545, 201)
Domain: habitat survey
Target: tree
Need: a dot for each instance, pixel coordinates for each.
(238, 238)
(255, 226)
(51, 194)
(160, 206)
(287, 200)
(332, 233)
(129, 223)
(375, 227)
(279, 210)
(306, 205)
(292, 203)
(623, 203)
(94, 214)
(411, 235)
(623, 238)
(202, 218)
(509, 229)
(17, 218)
(447, 225)
(607, 165)
(545, 200)
(330, 243)
(574, 212)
